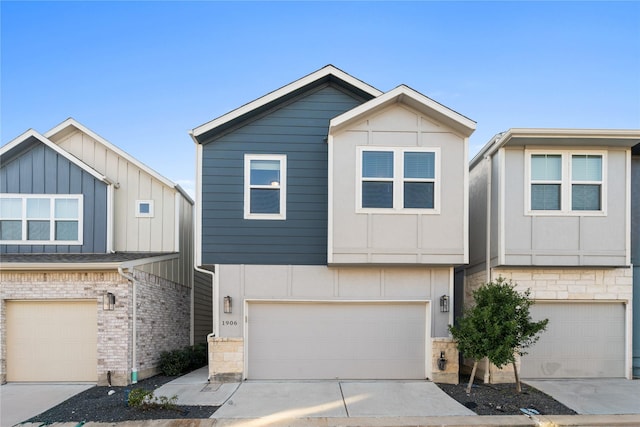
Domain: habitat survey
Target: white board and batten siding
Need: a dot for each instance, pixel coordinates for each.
(328, 322)
(428, 236)
(132, 234)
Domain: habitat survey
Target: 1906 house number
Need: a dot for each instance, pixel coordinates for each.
(229, 323)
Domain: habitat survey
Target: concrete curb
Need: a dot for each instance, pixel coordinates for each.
(455, 421)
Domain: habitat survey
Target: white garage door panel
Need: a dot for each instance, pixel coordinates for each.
(583, 340)
(51, 340)
(336, 340)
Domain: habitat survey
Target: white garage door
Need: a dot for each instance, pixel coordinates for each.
(51, 341)
(337, 340)
(582, 340)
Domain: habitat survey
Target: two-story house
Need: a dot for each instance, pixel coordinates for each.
(332, 216)
(96, 260)
(550, 209)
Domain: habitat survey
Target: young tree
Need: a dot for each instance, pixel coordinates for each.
(497, 327)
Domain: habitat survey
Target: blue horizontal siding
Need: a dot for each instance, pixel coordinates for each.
(40, 170)
(299, 130)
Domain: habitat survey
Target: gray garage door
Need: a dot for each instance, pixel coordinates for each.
(337, 340)
(583, 340)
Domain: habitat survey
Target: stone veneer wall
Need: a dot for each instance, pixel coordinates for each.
(561, 283)
(163, 315)
(450, 374)
(164, 320)
(226, 359)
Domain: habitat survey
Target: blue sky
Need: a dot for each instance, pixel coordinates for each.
(141, 74)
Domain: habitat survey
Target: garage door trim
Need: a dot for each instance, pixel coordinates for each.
(427, 308)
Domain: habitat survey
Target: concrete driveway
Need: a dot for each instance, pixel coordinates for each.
(311, 399)
(594, 396)
(21, 401)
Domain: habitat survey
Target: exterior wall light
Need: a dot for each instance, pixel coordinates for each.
(444, 304)
(108, 301)
(227, 304)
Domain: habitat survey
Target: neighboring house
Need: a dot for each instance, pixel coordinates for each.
(551, 209)
(333, 216)
(96, 260)
(635, 254)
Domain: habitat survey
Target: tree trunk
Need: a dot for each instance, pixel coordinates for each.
(515, 372)
(473, 375)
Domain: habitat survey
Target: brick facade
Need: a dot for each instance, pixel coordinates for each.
(163, 315)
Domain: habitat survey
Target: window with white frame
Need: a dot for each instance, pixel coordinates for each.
(144, 208)
(40, 219)
(398, 179)
(265, 186)
(566, 182)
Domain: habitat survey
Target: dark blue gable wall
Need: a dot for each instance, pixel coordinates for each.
(299, 130)
(40, 170)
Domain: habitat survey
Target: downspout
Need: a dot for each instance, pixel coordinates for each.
(214, 298)
(488, 226)
(134, 333)
(487, 372)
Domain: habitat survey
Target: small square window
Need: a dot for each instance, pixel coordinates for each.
(144, 208)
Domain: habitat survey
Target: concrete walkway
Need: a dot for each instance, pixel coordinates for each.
(594, 396)
(21, 401)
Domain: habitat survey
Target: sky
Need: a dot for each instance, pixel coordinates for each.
(142, 74)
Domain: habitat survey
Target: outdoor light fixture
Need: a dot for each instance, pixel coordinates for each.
(442, 362)
(108, 301)
(444, 304)
(227, 304)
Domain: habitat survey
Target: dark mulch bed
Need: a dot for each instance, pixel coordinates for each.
(95, 404)
(502, 399)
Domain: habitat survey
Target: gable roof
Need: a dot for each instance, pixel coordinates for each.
(405, 95)
(559, 138)
(68, 125)
(27, 139)
(328, 73)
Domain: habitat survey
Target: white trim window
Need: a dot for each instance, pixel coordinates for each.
(565, 182)
(41, 219)
(398, 180)
(265, 186)
(144, 208)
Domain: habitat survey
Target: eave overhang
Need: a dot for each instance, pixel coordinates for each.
(542, 137)
(327, 74)
(412, 98)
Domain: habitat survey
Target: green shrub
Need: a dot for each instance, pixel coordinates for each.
(174, 362)
(144, 399)
(181, 361)
(199, 355)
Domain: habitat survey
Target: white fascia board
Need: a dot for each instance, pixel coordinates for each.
(55, 147)
(278, 93)
(72, 122)
(405, 95)
(622, 138)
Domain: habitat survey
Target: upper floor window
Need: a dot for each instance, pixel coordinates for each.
(144, 208)
(398, 179)
(265, 186)
(40, 219)
(566, 182)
